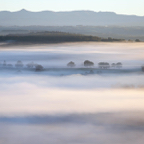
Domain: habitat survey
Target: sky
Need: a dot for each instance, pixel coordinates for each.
(129, 7)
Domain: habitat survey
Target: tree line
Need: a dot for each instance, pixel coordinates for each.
(52, 37)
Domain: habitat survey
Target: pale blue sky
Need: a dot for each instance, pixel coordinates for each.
(135, 7)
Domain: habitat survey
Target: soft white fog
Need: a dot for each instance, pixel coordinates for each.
(72, 105)
(70, 90)
(58, 55)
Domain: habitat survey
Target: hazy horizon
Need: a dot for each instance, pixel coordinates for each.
(72, 18)
(130, 7)
(63, 11)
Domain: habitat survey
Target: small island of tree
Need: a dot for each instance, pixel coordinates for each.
(119, 65)
(88, 63)
(113, 65)
(103, 65)
(71, 64)
(38, 67)
(30, 65)
(19, 64)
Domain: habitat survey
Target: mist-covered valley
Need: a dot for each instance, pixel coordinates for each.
(80, 104)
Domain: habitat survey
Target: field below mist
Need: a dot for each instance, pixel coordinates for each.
(71, 105)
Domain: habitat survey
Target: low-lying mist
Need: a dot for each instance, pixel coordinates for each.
(72, 105)
(71, 90)
(106, 128)
(58, 55)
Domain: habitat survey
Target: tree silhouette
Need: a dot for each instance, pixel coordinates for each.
(88, 63)
(30, 65)
(71, 64)
(19, 64)
(39, 68)
(119, 65)
(113, 65)
(103, 65)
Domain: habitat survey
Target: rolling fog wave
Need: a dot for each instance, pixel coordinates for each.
(106, 128)
(58, 55)
(72, 106)
(76, 81)
(24, 91)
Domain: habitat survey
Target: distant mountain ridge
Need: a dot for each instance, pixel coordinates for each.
(72, 18)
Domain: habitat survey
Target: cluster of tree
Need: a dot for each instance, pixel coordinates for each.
(86, 63)
(116, 65)
(51, 37)
(20, 64)
(71, 64)
(4, 64)
(106, 65)
(101, 65)
(37, 67)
